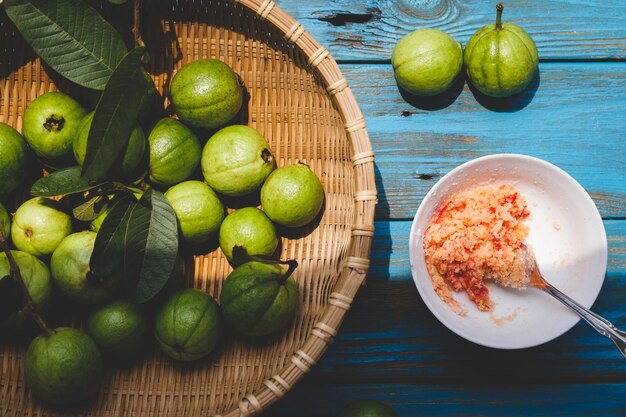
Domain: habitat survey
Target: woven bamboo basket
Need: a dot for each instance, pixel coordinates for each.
(298, 99)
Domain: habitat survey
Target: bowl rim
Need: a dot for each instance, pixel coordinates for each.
(414, 234)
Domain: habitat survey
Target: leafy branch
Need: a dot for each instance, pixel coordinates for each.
(137, 238)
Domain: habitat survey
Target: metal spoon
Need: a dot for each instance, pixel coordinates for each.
(600, 324)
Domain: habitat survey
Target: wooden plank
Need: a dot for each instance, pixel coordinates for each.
(390, 334)
(498, 398)
(369, 29)
(573, 117)
(459, 400)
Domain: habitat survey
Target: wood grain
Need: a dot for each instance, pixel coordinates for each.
(390, 334)
(458, 399)
(572, 116)
(369, 29)
(391, 347)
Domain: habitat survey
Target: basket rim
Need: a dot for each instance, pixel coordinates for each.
(356, 263)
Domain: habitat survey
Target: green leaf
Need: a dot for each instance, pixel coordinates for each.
(151, 247)
(91, 209)
(63, 182)
(11, 297)
(115, 116)
(108, 253)
(71, 36)
(140, 239)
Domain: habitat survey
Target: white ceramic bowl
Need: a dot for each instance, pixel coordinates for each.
(566, 234)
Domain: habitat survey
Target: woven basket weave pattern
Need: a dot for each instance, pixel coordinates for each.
(297, 98)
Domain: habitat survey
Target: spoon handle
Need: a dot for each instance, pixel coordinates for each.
(600, 324)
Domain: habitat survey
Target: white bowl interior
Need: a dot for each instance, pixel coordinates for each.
(566, 234)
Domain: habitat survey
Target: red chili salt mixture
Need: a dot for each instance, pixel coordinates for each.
(477, 236)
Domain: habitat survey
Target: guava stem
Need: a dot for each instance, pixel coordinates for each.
(266, 155)
(17, 275)
(499, 8)
(117, 186)
(177, 54)
(141, 181)
(293, 264)
(137, 22)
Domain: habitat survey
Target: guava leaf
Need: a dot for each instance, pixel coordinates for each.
(115, 116)
(108, 253)
(11, 297)
(91, 209)
(151, 246)
(139, 239)
(62, 182)
(71, 37)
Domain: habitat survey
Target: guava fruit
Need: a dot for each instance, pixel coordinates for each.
(13, 159)
(259, 299)
(501, 59)
(198, 209)
(64, 368)
(206, 93)
(50, 125)
(292, 195)
(72, 275)
(174, 152)
(247, 231)
(188, 325)
(39, 226)
(427, 61)
(236, 160)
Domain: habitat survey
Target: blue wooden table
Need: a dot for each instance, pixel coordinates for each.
(391, 347)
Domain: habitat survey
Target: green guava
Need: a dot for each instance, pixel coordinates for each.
(259, 299)
(188, 325)
(50, 125)
(198, 209)
(71, 273)
(292, 195)
(38, 282)
(249, 230)
(427, 61)
(39, 226)
(206, 93)
(119, 329)
(5, 222)
(174, 152)
(236, 160)
(501, 59)
(13, 159)
(64, 368)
